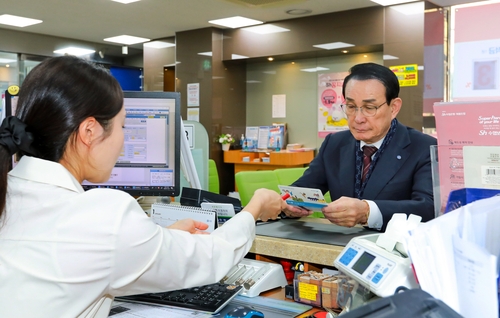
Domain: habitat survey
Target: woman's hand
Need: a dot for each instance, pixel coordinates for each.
(265, 204)
(190, 225)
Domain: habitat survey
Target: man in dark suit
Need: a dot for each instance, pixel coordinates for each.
(368, 185)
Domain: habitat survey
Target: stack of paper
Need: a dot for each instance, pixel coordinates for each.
(456, 257)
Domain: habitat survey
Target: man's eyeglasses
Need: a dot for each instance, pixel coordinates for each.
(368, 110)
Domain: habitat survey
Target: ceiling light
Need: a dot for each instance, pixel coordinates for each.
(314, 69)
(410, 8)
(345, 51)
(158, 44)
(76, 51)
(270, 59)
(391, 2)
(237, 57)
(17, 21)
(125, 1)
(389, 57)
(205, 53)
(266, 29)
(333, 45)
(2, 60)
(235, 22)
(126, 39)
(298, 11)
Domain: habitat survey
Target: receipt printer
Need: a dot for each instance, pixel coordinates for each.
(379, 261)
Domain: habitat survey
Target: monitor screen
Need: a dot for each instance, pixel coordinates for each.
(149, 163)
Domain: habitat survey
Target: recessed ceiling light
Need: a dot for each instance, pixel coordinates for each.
(125, 1)
(345, 51)
(270, 59)
(314, 69)
(237, 57)
(390, 57)
(17, 21)
(266, 29)
(76, 51)
(410, 8)
(235, 22)
(333, 45)
(391, 2)
(126, 39)
(205, 53)
(298, 11)
(158, 44)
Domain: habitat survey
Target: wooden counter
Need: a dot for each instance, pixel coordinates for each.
(277, 159)
(312, 255)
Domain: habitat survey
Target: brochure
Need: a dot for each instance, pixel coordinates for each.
(306, 198)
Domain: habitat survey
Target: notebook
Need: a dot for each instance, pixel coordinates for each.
(167, 214)
(225, 211)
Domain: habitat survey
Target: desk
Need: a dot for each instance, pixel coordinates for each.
(277, 159)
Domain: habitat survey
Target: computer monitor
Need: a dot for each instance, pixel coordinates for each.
(149, 163)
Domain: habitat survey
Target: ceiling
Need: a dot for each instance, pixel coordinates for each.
(94, 20)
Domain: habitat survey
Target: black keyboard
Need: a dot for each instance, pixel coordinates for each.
(209, 298)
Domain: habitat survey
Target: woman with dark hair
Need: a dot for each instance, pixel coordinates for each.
(66, 252)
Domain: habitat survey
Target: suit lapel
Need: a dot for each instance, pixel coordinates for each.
(391, 160)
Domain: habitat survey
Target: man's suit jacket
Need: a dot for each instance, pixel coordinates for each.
(401, 181)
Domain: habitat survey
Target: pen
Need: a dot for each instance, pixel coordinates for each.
(285, 196)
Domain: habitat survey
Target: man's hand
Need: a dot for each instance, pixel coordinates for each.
(294, 211)
(190, 225)
(347, 212)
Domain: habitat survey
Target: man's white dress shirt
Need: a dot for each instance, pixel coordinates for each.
(66, 252)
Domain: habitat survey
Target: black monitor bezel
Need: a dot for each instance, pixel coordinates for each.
(177, 159)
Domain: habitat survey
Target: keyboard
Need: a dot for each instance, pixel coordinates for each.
(208, 298)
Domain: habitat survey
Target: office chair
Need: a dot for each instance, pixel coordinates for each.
(249, 181)
(213, 177)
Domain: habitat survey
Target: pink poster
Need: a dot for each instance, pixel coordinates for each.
(331, 118)
(461, 124)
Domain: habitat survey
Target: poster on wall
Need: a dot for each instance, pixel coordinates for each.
(193, 91)
(407, 74)
(331, 118)
(475, 54)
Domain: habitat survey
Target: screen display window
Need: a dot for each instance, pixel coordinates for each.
(149, 161)
(363, 262)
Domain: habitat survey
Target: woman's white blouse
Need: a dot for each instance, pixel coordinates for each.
(66, 252)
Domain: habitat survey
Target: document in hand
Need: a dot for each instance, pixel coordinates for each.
(455, 257)
(307, 198)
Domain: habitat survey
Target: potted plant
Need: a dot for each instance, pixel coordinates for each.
(226, 140)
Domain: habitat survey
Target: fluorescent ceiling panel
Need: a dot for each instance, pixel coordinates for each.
(314, 69)
(410, 8)
(391, 2)
(71, 50)
(17, 21)
(266, 29)
(235, 22)
(333, 45)
(125, 1)
(126, 39)
(2, 60)
(158, 44)
(237, 57)
(390, 57)
(205, 53)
